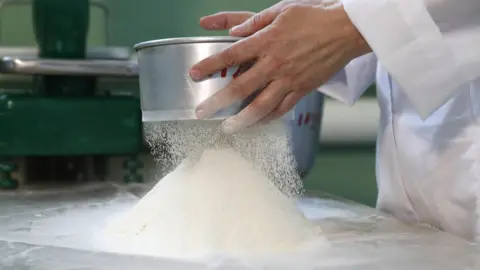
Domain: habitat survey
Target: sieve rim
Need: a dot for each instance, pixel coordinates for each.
(185, 40)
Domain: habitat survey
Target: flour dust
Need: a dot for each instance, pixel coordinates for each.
(267, 147)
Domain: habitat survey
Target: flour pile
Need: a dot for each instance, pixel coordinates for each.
(217, 201)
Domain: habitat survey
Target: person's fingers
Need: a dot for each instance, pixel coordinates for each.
(283, 107)
(225, 20)
(255, 23)
(238, 90)
(236, 54)
(262, 105)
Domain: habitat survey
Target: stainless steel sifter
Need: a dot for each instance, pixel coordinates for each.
(168, 94)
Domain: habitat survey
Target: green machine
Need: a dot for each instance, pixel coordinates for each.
(65, 120)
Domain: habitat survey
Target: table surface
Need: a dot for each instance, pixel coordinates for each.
(55, 229)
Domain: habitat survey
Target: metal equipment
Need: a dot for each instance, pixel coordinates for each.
(168, 94)
(64, 119)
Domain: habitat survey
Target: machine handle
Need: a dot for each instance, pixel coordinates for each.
(111, 68)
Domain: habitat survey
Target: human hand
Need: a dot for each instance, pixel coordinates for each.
(225, 20)
(296, 45)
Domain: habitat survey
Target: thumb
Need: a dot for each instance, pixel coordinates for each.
(255, 23)
(224, 20)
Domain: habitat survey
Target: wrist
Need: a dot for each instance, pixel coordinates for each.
(356, 43)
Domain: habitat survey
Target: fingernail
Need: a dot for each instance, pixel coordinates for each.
(234, 29)
(195, 75)
(200, 113)
(229, 126)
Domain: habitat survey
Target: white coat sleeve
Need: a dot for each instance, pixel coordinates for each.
(352, 81)
(429, 47)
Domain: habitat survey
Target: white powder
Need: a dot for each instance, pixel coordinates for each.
(218, 201)
(266, 146)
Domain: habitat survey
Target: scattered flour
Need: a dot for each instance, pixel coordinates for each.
(218, 201)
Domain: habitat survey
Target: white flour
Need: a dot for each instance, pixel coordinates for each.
(218, 204)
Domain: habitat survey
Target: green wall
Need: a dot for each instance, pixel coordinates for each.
(152, 19)
(346, 171)
(16, 27)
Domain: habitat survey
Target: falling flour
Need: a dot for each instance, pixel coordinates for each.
(217, 201)
(267, 147)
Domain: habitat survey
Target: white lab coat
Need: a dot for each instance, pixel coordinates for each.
(428, 80)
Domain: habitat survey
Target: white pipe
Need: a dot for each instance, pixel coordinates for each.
(342, 123)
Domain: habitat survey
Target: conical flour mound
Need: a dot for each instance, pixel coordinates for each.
(217, 204)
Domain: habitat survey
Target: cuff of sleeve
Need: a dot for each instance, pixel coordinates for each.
(351, 82)
(409, 45)
(337, 88)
